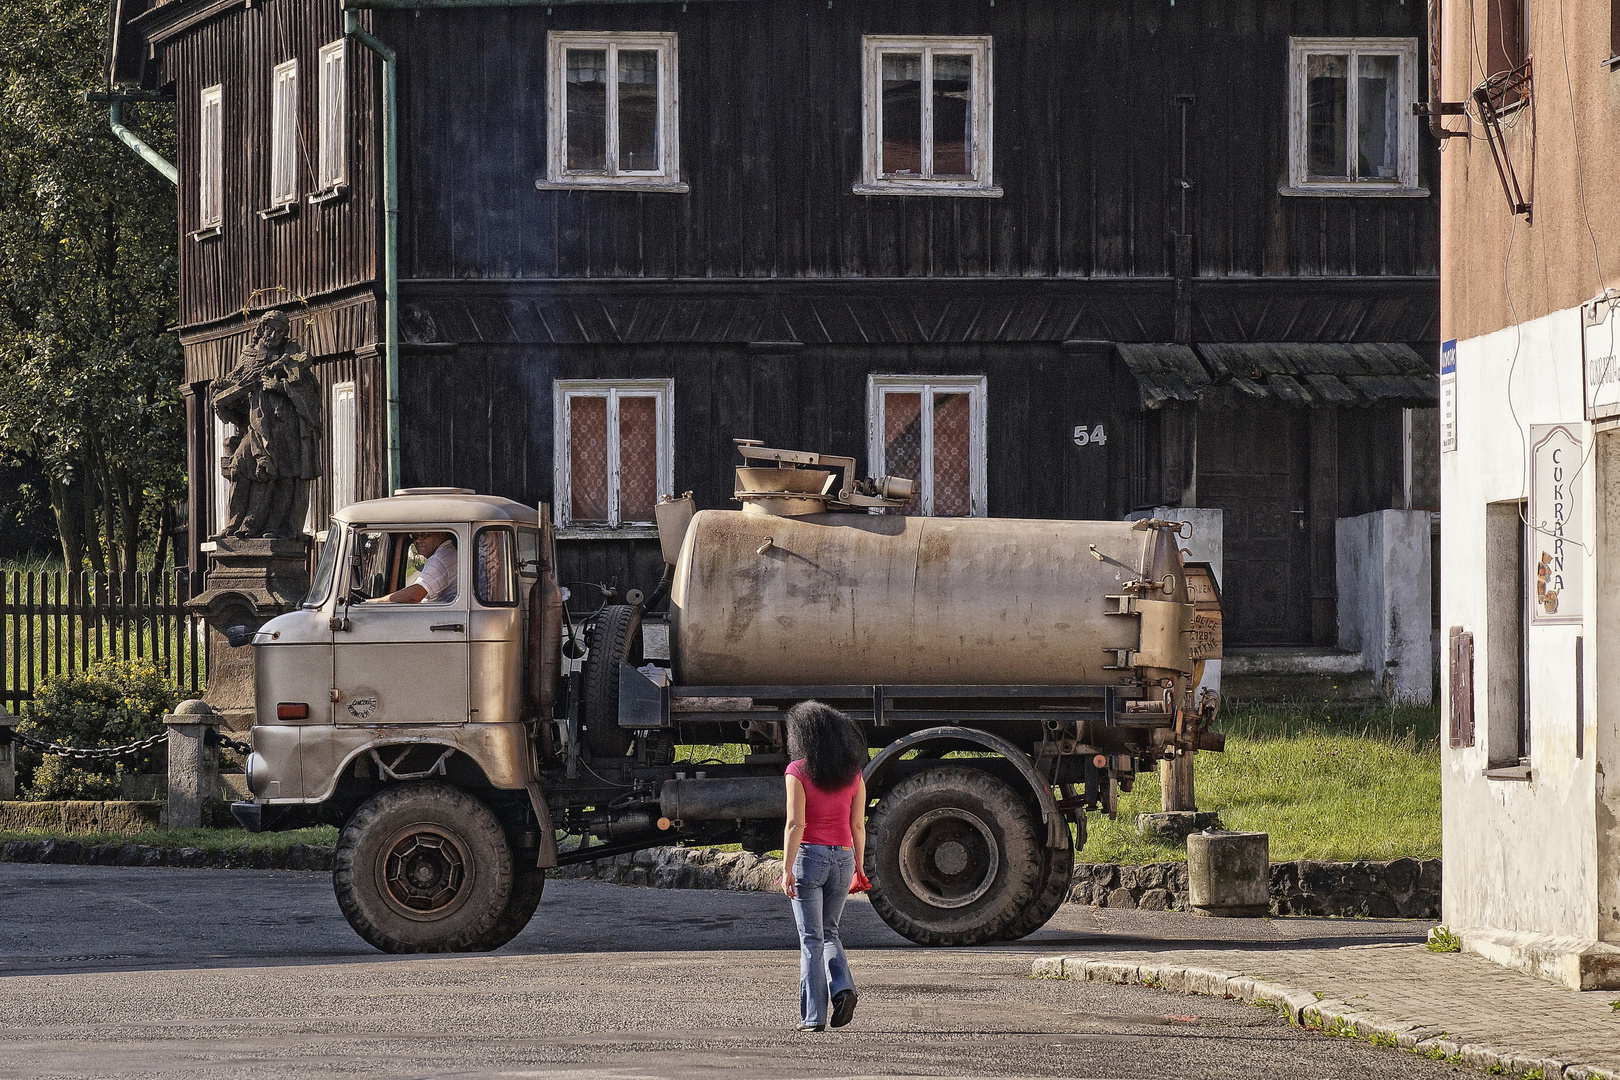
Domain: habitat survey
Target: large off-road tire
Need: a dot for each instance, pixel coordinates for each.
(526, 889)
(1051, 889)
(953, 857)
(423, 867)
(615, 636)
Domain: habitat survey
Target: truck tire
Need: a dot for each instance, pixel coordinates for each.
(953, 857)
(615, 636)
(526, 889)
(1052, 887)
(423, 867)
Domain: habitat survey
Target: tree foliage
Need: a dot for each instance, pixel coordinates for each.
(89, 372)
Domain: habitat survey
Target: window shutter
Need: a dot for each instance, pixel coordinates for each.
(222, 487)
(284, 134)
(345, 474)
(210, 159)
(334, 109)
(1462, 687)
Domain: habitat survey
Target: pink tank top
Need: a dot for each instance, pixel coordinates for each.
(826, 813)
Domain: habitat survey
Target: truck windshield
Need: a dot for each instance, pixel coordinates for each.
(325, 570)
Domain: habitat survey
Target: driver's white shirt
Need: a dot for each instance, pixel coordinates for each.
(438, 575)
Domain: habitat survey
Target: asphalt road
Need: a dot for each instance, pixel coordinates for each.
(124, 972)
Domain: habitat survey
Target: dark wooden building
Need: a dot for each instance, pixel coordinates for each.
(1058, 258)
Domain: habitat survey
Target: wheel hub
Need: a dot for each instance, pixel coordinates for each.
(425, 872)
(949, 857)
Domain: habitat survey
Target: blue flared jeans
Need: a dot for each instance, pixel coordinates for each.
(823, 874)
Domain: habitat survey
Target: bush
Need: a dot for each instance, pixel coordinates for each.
(113, 703)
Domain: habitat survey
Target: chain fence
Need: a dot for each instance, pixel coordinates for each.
(104, 753)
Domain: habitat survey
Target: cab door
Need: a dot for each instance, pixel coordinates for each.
(399, 663)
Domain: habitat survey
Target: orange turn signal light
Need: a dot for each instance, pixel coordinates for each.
(292, 710)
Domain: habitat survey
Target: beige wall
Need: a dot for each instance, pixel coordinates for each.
(1550, 266)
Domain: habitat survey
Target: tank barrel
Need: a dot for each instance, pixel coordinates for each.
(724, 798)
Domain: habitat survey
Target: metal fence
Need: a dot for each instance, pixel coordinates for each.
(53, 623)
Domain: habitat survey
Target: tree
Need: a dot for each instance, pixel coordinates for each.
(89, 372)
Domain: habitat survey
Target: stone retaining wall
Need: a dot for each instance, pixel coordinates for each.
(1400, 888)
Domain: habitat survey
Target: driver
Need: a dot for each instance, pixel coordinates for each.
(436, 581)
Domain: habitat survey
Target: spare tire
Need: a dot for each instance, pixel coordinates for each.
(423, 867)
(953, 857)
(615, 636)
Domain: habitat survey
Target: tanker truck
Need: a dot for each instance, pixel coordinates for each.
(1009, 675)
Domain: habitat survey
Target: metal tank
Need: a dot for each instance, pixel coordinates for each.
(852, 598)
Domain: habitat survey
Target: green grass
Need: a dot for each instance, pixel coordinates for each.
(206, 839)
(1333, 784)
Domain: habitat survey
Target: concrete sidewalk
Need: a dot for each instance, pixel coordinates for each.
(1443, 1005)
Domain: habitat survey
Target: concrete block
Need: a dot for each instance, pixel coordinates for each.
(193, 763)
(1048, 967)
(1176, 825)
(1229, 874)
(1577, 963)
(1385, 600)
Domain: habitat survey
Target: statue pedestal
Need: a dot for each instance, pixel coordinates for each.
(249, 582)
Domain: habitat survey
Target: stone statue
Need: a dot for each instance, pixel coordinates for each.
(272, 397)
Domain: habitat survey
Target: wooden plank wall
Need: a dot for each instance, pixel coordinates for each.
(317, 249)
(1087, 139)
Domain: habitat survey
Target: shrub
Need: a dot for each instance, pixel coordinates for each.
(113, 703)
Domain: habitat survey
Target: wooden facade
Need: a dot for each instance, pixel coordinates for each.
(1139, 151)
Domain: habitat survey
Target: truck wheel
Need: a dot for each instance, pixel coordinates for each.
(526, 890)
(423, 867)
(615, 636)
(1052, 887)
(954, 858)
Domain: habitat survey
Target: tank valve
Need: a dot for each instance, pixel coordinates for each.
(770, 541)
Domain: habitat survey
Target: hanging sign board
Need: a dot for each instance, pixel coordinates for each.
(1554, 547)
(1599, 364)
(1448, 396)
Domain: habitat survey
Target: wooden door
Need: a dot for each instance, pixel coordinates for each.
(1253, 464)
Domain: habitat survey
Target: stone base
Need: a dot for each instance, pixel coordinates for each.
(250, 582)
(1176, 825)
(1577, 963)
(1238, 911)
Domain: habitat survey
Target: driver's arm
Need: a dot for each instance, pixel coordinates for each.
(410, 594)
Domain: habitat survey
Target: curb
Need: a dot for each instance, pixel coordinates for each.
(1306, 1009)
(73, 853)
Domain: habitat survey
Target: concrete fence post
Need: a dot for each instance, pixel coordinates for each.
(8, 758)
(193, 764)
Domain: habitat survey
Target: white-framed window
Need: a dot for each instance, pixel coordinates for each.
(211, 159)
(926, 108)
(931, 429)
(284, 134)
(1351, 128)
(221, 487)
(345, 446)
(614, 451)
(612, 111)
(332, 171)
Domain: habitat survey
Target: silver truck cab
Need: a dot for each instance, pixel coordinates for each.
(352, 681)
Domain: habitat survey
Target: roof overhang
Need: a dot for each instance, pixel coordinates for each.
(1304, 373)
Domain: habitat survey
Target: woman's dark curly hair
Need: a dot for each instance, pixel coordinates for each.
(833, 748)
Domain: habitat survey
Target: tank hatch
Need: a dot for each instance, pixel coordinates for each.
(793, 483)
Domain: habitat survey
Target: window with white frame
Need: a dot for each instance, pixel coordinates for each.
(1351, 127)
(221, 486)
(332, 170)
(284, 134)
(927, 116)
(345, 444)
(612, 111)
(930, 429)
(211, 159)
(614, 452)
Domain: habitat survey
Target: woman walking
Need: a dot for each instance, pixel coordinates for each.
(822, 849)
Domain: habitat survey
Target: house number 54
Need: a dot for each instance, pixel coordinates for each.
(1084, 436)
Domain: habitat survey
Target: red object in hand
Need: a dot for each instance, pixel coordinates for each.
(860, 883)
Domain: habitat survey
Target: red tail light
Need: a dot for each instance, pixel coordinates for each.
(292, 710)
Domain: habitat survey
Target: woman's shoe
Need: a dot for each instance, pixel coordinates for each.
(843, 1007)
(811, 1027)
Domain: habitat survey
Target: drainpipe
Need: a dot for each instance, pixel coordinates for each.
(390, 168)
(115, 115)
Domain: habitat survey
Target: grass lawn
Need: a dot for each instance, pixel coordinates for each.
(206, 839)
(1325, 783)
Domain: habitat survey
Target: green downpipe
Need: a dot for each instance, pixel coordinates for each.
(390, 167)
(115, 115)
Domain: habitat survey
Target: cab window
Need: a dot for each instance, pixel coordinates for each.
(493, 568)
(384, 562)
(325, 571)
